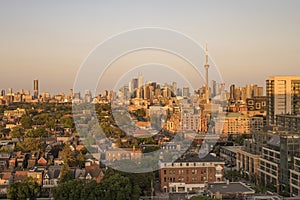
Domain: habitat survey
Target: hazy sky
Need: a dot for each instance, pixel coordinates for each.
(48, 40)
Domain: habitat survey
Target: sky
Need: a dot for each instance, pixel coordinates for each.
(49, 40)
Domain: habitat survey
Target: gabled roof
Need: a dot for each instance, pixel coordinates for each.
(94, 170)
(42, 161)
(79, 147)
(52, 172)
(80, 173)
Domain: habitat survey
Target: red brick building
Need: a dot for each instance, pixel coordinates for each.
(190, 173)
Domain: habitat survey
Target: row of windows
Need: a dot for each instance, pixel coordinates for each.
(181, 171)
(189, 164)
(193, 179)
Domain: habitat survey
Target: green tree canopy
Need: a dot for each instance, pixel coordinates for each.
(26, 122)
(17, 132)
(30, 144)
(28, 188)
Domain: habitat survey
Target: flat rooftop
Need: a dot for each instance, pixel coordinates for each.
(229, 188)
(194, 157)
(231, 148)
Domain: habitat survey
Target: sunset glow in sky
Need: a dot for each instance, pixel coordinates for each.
(48, 40)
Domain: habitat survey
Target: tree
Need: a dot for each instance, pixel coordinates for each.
(65, 174)
(67, 154)
(40, 119)
(117, 187)
(136, 192)
(28, 188)
(50, 123)
(67, 121)
(30, 144)
(26, 122)
(80, 160)
(76, 189)
(232, 175)
(34, 133)
(68, 158)
(4, 149)
(5, 132)
(17, 132)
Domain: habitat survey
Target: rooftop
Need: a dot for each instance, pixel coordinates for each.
(274, 141)
(231, 148)
(229, 188)
(194, 157)
(232, 114)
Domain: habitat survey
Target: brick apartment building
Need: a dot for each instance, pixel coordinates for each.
(190, 173)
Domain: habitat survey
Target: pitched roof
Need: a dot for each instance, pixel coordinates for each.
(20, 175)
(79, 147)
(5, 175)
(80, 173)
(94, 171)
(53, 172)
(42, 161)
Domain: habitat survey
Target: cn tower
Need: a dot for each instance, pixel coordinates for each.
(206, 66)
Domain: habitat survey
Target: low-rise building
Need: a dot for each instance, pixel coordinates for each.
(236, 123)
(226, 190)
(19, 112)
(190, 173)
(112, 155)
(269, 168)
(37, 174)
(6, 179)
(229, 154)
(247, 162)
(51, 177)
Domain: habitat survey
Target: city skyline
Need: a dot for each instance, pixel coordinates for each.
(150, 99)
(244, 37)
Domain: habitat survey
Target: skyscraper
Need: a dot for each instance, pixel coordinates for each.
(140, 80)
(2, 92)
(232, 93)
(10, 91)
(186, 91)
(283, 96)
(215, 88)
(35, 89)
(206, 66)
(134, 83)
(174, 88)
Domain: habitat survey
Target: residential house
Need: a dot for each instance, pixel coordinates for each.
(42, 161)
(5, 179)
(37, 174)
(20, 176)
(51, 177)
